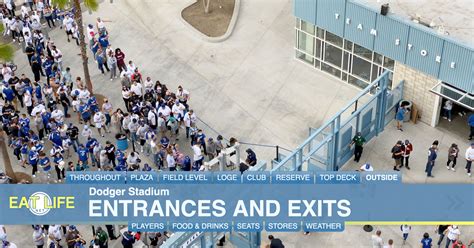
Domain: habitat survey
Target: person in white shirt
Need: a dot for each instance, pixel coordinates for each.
(452, 234)
(35, 16)
(24, 11)
(28, 101)
(469, 158)
(189, 120)
(57, 115)
(148, 84)
(197, 157)
(99, 122)
(3, 232)
(86, 132)
(7, 73)
(152, 118)
(170, 160)
(165, 111)
(377, 241)
(39, 108)
(131, 67)
(183, 96)
(178, 111)
(40, 7)
(54, 234)
(58, 57)
(137, 89)
(68, 24)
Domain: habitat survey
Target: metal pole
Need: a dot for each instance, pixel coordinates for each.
(277, 157)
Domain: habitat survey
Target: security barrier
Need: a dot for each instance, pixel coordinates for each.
(327, 148)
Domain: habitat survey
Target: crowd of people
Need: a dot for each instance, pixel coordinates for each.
(449, 234)
(51, 236)
(36, 114)
(53, 122)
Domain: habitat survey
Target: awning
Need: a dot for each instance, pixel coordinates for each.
(456, 95)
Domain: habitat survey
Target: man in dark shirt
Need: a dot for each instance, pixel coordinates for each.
(73, 133)
(397, 155)
(358, 141)
(441, 229)
(275, 243)
(432, 155)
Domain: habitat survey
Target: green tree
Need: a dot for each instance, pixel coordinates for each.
(92, 5)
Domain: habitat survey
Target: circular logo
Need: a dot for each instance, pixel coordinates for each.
(41, 201)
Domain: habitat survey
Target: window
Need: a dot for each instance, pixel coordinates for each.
(317, 64)
(344, 77)
(306, 43)
(357, 82)
(361, 68)
(375, 72)
(320, 33)
(345, 61)
(378, 58)
(304, 57)
(327, 68)
(307, 27)
(333, 55)
(388, 63)
(348, 45)
(334, 39)
(298, 22)
(318, 48)
(363, 52)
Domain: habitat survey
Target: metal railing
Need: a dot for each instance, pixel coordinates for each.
(327, 148)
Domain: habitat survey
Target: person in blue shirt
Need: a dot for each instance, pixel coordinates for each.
(426, 241)
(48, 68)
(83, 154)
(55, 137)
(85, 113)
(38, 94)
(91, 143)
(93, 105)
(104, 41)
(33, 160)
(121, 160)
(24, 153)
(9, 94)
(432, 155)
(400, 116)
(470, 121)
(45, 164)
(201, 139)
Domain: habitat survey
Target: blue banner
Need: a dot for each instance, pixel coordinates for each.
(229, 201)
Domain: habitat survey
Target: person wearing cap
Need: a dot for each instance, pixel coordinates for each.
(366, 167)
(452, 156)
(211, 148)
(33, 157)
(432, 155)
(397, 155)
(358, 141)
(469, 158)
(452, 234)
(72, 236)
(407, 148)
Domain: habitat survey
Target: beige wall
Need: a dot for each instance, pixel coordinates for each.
(417, 89)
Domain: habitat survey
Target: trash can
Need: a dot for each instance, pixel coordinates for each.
(122, 142)
(408, 107)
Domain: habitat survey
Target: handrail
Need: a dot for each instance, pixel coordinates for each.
(337, 115)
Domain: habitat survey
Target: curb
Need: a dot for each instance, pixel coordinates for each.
(224, 37)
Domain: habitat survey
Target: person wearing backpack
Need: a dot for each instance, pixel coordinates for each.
(103, 238)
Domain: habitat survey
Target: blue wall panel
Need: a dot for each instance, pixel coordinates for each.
(361, 22)
(326, 15)
(462, 74)
(305, 9)
(388, 32)
(421, 41)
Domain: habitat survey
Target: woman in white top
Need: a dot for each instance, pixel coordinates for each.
(170, 160)
(447, 110)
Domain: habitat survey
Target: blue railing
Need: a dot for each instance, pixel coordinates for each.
(327, 148)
